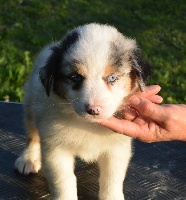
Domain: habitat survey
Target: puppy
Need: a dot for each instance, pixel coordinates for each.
(76, 82)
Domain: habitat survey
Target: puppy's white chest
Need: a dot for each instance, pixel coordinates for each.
(89, 141)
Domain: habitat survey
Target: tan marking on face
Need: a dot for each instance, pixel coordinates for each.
(132, 85)
(109, 70)
(81, 70)
(129, 84)
(133, 80)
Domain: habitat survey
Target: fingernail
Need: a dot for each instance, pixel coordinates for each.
(159, 88)
(134, 100)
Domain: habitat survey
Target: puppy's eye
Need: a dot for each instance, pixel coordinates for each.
(112, 78)
(77, 77)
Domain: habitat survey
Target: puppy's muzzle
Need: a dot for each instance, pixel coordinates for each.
(94, 109)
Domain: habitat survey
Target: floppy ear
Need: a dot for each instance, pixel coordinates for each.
(47, 73)
(142, 69)
(54, 62)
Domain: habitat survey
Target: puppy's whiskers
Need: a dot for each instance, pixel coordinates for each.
(75, 99)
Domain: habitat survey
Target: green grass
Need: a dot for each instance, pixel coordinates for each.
(158, 26)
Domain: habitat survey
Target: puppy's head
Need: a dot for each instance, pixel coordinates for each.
(95, 68)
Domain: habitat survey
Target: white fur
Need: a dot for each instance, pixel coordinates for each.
(67, 131)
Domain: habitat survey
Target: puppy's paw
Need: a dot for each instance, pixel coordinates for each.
(29, 161)
(27, 166)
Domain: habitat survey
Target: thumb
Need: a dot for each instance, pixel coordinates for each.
(148, 109)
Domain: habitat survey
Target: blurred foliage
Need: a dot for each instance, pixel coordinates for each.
(159, 27)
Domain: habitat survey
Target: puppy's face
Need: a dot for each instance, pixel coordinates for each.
(95, 68)
(95, 93)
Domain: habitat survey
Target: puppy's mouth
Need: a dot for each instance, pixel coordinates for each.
(96, 113)
(92, 113)
(93, 118)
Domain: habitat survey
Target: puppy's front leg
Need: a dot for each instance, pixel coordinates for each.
(113, 167)
(59, 170)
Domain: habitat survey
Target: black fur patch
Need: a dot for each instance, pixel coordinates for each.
(141, 67)
(77, 86)
(48, 72)
(116, 55)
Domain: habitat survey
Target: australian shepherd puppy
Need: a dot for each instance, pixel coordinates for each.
(76, 82)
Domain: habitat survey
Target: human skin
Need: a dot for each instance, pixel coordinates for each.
(149, 122)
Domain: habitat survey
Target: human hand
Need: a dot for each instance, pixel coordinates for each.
(153, 123)
(150, 93)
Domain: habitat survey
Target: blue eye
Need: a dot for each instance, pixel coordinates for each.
(112, 78)
(77, 77)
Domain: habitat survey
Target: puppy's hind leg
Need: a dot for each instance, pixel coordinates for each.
(30, 159)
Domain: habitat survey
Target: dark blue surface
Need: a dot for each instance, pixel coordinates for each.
(157, 171)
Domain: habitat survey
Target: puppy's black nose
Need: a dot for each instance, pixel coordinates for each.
(94, 109)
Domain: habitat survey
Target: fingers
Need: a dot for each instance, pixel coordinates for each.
(151, 94)
(121, 126)
(148, 109)
(149, 91)
(130, 114)
(155, 99)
